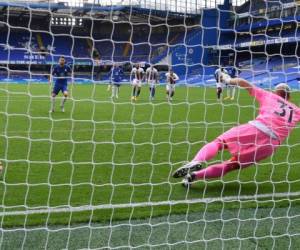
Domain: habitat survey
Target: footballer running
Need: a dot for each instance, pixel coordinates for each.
(61, 73)
(152, 79)
(172, 78)
(136, 79)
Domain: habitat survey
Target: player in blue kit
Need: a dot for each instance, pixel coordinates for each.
(116, 75)
(61, 73)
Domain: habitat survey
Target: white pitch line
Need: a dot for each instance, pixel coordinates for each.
(68, 209)
(157, 127)
(123, 128)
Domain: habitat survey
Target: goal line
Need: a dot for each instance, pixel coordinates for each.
(66, 209)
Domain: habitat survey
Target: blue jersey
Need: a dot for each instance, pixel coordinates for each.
(61, 73)
(233, 72)
(116, 74)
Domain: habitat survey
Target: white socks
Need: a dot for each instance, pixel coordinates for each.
(61, 105)
(115, 91)
(63, 101)
(52, 103)
(231, 91)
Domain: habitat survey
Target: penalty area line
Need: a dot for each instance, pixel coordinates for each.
(70, 209)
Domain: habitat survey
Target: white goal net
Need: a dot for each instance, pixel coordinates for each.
(96, 172)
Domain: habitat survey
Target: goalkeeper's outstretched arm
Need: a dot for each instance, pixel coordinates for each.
(242, 83)
(238, 82)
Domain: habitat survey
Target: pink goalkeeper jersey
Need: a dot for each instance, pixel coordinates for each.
(276, 113)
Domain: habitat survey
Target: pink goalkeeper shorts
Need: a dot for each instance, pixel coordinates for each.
(248, 145)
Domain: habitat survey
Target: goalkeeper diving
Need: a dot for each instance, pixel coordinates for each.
(248, 143)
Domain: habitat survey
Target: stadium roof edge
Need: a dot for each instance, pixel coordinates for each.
(95, 8)
(56, 6)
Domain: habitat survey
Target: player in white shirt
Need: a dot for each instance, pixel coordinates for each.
(233, 72)
(152, 79)
(136, 78)
(219, 84)
(171, 81)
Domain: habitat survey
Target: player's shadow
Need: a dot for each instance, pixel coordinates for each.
(218, 188)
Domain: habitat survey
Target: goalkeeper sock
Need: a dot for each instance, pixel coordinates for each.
(172, 93)
(209, 151)
(217, 170)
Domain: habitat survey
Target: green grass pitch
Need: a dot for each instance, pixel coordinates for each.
(116, 152)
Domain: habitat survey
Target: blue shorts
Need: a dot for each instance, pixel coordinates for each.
(59, 87)
(118, 84)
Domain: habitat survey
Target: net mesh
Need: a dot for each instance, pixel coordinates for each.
(99, 175)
